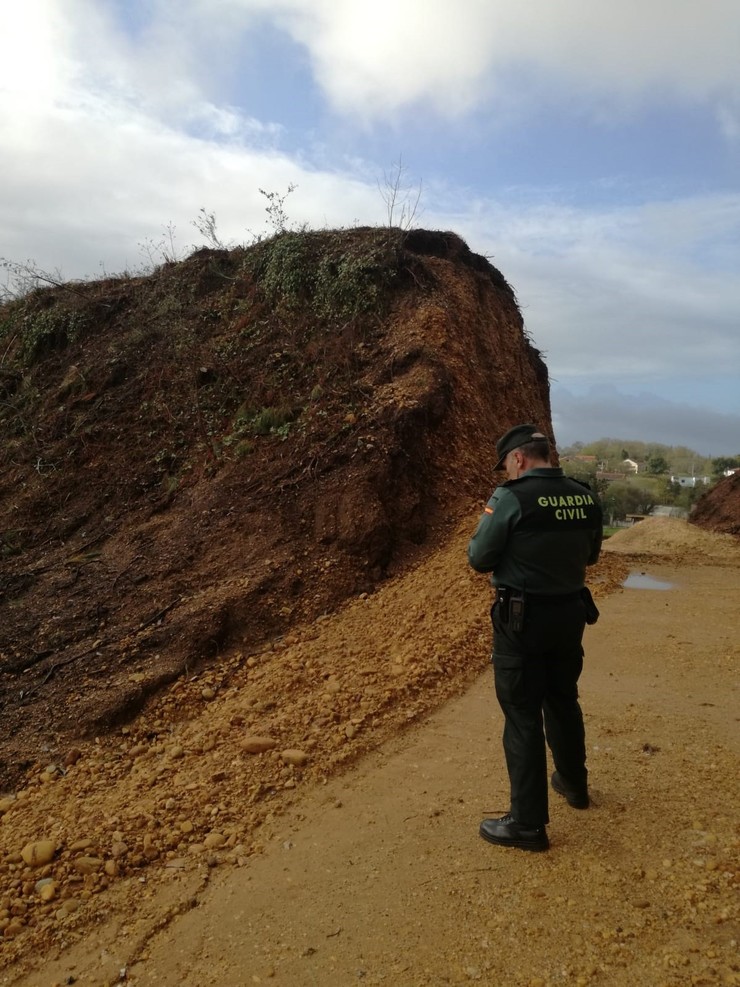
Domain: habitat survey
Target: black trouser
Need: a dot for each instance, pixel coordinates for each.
(536, 672)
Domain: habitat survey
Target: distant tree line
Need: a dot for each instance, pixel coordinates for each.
(657, 458)
(640, 493)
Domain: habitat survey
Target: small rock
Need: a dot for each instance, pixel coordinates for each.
(258, 745)
(208, 693)
(186, 826)
(87, 865)
(80, 845)
(5, 804)
(214, 840)
(48, 892)
(118, 849)
(67, 908)
(292, 756)
(39, 853)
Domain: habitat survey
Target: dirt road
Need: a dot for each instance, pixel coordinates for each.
(379, 876)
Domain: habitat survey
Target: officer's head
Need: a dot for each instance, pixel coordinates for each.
(521, 448)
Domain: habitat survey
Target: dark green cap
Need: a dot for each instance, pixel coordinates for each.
(517, 436)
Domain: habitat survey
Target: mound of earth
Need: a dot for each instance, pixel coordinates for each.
(198, 461)
(666, 536)
(719, 508)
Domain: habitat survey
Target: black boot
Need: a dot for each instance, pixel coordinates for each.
(577, 798)
(506, 831)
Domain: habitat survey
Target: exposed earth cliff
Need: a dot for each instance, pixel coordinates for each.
(197, 460)
(719, 508)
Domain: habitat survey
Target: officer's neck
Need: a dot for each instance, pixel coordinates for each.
(527, 465)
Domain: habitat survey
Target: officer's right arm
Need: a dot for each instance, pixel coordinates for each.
(488, 543)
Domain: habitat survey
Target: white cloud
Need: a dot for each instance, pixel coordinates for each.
(376, 59)
(33, 51)
(636, 292)
(104, 146)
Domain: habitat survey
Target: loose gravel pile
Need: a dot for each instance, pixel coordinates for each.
(665, 536)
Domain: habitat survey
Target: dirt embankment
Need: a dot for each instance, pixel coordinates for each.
(198, 461)
(719, 508)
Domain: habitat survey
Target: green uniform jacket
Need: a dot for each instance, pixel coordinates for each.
(538, 533)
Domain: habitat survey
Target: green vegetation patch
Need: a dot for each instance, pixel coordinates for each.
(31, 332)
(336, 277)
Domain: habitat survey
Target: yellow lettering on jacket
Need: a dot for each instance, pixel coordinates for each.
(572, 500)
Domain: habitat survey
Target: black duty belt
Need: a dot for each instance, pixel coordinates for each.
(553, 597)
(511, 604)
(540, 597)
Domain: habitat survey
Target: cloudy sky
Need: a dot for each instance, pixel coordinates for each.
(590, 148)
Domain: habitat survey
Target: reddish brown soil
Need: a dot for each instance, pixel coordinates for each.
(719, 508)
(152, 521)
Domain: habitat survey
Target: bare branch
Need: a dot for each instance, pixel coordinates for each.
(401, 197)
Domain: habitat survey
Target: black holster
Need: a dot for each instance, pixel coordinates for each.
(510, 606)
(592, 611)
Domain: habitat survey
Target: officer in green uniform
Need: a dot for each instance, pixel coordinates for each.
(536, 536)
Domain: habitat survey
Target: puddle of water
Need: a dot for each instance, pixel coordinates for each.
(641, 580)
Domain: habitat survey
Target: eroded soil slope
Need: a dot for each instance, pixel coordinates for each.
(197, 461)
(719, 508)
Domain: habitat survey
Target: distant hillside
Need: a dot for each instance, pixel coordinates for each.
(196, 460)
(680, 459)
